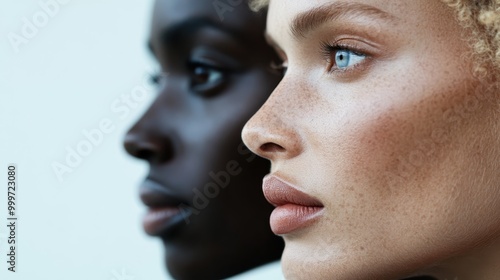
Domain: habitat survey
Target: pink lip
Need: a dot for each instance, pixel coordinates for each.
(294, 209)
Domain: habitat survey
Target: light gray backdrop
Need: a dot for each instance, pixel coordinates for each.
(66, 70)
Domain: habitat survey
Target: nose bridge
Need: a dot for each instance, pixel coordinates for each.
(272, 132)
(144, 127)
(151, 137)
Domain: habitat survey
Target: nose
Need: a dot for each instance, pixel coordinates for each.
(272, 132)
(149, 138)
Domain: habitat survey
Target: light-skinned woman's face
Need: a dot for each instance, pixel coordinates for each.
(202, 189)
(381, 124)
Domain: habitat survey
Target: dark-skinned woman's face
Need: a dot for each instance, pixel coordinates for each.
(203, 188)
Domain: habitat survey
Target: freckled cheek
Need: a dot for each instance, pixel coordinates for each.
(379, 140)
(400, 124)
(384, 145)
(368, 153)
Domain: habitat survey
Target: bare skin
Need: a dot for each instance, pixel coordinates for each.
(218, 76)
(380, 118)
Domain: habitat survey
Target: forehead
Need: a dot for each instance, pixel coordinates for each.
(283, 16)
(234, 15)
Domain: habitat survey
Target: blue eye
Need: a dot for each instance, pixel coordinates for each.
(347, 58)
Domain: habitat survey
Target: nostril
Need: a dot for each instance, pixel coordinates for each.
(139, 149)
(150, 149)
(144, 154)
(271, 147)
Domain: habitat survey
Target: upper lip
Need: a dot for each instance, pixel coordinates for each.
(155, 195)
(279, 192)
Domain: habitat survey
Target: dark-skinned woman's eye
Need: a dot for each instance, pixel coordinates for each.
(206, 79)
(205, 75)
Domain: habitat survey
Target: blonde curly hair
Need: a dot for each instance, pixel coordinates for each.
(481, 17)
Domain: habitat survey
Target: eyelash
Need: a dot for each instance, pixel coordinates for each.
(155, 78)
(328, 50)
(206, 83)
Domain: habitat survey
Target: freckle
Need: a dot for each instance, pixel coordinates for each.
(362, 248)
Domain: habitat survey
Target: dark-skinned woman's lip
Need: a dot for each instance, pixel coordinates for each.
(294, 208)
(161, 221)
(156, 195)
(164, 215)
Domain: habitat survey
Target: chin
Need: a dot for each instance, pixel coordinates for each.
(341, 263)
(182, 267)
(196, 264)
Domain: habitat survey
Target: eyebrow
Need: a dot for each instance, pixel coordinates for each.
(186, 28)
(307, 21)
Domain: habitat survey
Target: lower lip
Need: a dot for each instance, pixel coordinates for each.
(158, 220)
(291, 217)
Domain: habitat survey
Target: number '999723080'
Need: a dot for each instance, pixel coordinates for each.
(11, 218)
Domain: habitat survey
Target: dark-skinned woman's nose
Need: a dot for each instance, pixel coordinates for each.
(148, 141)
